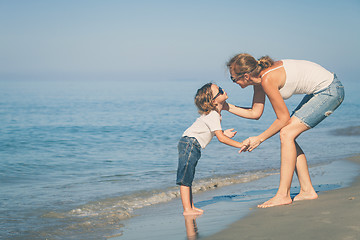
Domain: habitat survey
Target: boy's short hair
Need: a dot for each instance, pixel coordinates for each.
(204, 99)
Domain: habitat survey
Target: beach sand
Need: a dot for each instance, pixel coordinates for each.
(334, 215)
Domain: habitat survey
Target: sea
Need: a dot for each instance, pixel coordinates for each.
(78, 157)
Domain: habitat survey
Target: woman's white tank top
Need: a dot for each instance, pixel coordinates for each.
(303, 77)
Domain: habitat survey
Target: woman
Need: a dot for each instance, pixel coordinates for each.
(280, 80)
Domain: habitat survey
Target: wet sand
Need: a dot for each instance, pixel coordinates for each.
(334, 215)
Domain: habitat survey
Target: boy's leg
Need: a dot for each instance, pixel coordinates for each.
(192, 202)
(186, 199)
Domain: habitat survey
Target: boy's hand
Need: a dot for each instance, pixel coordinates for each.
(246, 146)
(230, 133)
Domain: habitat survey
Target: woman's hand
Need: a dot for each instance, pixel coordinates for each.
(225, 106)
(254, 143)
(230, 133)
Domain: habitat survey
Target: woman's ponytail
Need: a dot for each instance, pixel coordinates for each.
(265, 62)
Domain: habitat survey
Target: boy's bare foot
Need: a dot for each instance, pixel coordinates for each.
(191, 212)
(276, 201)
(306, 196)
(198, 209)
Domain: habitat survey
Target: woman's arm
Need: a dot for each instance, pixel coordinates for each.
(255, 111)
(282, 113)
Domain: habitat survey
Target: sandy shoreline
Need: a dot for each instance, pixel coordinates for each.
(334, 215)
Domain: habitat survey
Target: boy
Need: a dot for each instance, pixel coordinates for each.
(209, 100)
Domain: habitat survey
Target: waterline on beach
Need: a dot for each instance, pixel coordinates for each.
(106, 215)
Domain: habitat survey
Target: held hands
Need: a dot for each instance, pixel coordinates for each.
(230, 133)
(248, 145)
(254, 142)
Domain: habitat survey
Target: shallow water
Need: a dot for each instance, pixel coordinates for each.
(78, 157)
(224, 206)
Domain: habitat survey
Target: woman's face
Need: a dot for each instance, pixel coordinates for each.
(242, 81)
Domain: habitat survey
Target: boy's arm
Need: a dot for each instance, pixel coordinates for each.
(228, 141)
(230, 133)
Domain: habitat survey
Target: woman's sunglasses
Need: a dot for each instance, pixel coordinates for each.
(221, 92)
(237, 78)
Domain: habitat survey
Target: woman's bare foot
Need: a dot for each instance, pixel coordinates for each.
(306, 196)
(276, 201)
(192, 212)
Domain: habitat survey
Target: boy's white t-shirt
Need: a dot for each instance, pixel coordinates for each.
(203, 129)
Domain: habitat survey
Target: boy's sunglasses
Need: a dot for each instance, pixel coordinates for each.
(221, 92)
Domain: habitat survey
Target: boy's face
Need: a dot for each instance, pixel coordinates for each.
(219, 94)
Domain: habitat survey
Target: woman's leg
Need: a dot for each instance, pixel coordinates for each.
(289, 155)
(307, 191)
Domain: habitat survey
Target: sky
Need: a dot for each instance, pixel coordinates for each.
(171, 40)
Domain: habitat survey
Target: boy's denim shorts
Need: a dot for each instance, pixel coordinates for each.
(189, 154)
(317, 106)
